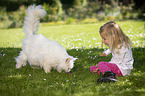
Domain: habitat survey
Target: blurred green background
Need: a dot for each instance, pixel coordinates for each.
(12, 12)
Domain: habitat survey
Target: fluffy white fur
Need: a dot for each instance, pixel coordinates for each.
(40, 51)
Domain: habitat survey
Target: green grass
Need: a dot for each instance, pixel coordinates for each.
(70, 36)
(81, 41)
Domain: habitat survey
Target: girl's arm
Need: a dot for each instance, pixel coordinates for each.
(103, 54)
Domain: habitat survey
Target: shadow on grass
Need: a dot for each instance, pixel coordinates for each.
(86, 57)
(35, 81)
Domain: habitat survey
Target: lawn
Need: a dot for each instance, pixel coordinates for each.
(81, 41)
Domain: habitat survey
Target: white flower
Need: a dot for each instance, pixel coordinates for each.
(67, 80)
(74, 75)
(73, 83)
(141, 35)
(3, 54)
(94, 38)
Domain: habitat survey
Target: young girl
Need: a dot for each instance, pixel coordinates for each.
(119, 45)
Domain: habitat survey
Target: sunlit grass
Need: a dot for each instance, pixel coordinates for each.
(75, 36)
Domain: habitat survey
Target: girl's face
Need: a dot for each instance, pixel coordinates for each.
(105, 39)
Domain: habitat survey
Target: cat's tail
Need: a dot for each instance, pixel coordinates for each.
(31, 23)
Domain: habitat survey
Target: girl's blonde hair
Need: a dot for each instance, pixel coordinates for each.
(116, 36)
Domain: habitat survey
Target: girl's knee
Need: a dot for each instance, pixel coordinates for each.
(100, 63)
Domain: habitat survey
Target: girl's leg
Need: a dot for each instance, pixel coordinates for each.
(105, 66)
(114, 68)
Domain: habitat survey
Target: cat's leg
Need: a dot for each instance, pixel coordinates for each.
(21, 60)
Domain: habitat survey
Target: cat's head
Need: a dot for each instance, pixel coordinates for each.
(70, 63)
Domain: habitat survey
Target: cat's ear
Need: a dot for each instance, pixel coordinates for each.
(67, 60)
(74, 59)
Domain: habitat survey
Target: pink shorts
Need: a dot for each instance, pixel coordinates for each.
(105, 66)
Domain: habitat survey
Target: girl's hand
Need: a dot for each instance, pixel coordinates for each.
(103, 54)
(96, 70)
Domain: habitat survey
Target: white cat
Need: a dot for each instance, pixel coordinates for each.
(40, 51)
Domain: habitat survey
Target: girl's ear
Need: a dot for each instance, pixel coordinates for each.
(67, 60)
